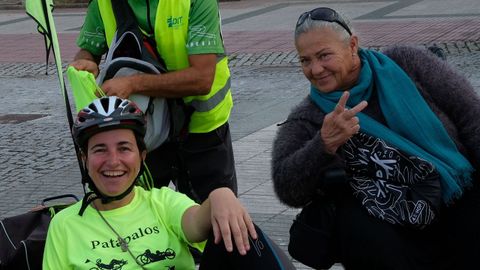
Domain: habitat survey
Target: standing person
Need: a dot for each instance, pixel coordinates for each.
(408, 193)
(122, 226)
(187, 36)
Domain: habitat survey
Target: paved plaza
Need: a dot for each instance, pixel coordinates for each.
(37, 158)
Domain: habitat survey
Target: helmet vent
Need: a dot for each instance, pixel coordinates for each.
(118, 102)
(105, 102)
(93, 107)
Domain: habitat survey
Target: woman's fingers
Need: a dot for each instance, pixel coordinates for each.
(350, 113)
(233, 232)
(358, 108)
(341, 124)
(250, 226)
(342, 102)
(217, 234)
(355, 129)
(240, 236)
(226, 236)
(341, 109)
(231, 222)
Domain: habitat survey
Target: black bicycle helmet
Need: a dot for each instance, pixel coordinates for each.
(107, 113)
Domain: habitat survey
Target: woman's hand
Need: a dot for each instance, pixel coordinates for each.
(341, 124)
(229, 218)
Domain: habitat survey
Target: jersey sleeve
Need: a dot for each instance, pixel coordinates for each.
(204, 30)
(92, 34)
(171, 206)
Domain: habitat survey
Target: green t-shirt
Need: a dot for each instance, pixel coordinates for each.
(150, 224)
(204, 25)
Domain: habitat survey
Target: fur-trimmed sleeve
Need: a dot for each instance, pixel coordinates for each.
(448, 92)
(298, 158)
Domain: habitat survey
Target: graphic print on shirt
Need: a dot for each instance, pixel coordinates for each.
(149, 257)
(115, 243)
(145, 258)
(113, 265)
(384, 179)
(200, 31)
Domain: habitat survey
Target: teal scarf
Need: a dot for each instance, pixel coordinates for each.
(414, 128)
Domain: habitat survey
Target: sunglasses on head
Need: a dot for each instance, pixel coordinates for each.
(323, 14)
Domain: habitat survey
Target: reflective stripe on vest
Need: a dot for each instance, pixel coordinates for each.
(207, 105)
(171, 25)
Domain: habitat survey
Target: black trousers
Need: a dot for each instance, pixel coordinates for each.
(197, 164)
(453, 242)
(264, 254)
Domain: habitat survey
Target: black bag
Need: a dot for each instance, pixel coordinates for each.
(22, 237)
(312, 240)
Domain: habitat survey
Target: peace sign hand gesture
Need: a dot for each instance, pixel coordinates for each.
(340, 124)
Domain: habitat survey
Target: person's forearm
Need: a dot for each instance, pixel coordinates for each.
(197, 222)
(197, 79)
(194, 80)
(187, 82)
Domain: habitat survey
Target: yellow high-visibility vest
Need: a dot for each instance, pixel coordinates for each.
(171, 25)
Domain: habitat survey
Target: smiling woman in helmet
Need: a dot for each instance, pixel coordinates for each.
(119, 225)
(109, 133)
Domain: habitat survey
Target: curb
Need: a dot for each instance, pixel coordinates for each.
(10, 6)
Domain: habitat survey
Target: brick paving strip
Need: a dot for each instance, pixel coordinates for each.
(36, 66)
(240, 43)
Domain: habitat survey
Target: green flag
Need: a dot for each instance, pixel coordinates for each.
(84, 87)
(41, 12)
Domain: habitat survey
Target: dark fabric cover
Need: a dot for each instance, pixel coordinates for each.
(312, 235)
(22, 239)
